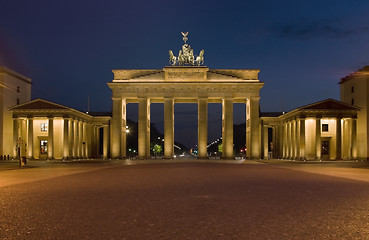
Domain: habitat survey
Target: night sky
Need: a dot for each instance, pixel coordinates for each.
(68, 48)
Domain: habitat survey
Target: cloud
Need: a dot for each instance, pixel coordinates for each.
(325, 28)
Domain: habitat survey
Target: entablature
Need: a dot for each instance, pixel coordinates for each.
(186, 90)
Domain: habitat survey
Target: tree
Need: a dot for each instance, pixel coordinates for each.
(220, 148)
(157, 149)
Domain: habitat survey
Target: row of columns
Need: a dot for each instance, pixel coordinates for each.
(80, 139)
(118, 140)
(289, 139)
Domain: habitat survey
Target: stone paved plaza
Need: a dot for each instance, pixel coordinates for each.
(184, 200)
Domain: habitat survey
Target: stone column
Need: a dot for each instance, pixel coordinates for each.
(202, 127)
(30, 138)
(93, 141)
(289, 140)
(88, 140)
(346, 140)
(353, 139)
(97, 145)
(116, 134)
(81, 145)
(50, 139)
(65, 138)
(274, 146)
(143, 128)
(254, 151)
(76, 135)
(283, 140)
(168, 128)
(15, 136)
(302, 139)
(297, 139)
(318, 139)
(338, 138)
(77, 139)
(227, 128)
(293, 139)
(105, 141)
(71, 138)
(84, 140)
(265, 142)
(123, 144)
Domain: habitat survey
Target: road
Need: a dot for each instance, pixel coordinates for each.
(186, 201)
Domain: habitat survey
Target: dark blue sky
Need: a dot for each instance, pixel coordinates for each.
(68, 48)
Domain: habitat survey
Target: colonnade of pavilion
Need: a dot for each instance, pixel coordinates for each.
(69, 133)
(80, 139)
(298, 135)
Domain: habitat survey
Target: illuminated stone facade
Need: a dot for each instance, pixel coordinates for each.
(45, 130)
(355, 91)
(185, 84)
(14, 89)
(325, 130)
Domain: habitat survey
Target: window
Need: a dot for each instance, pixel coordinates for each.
(17, 101)
(352, 101)
(324, 127)
(43, 146)
(352, 89)
(43, 127)
(18, 90)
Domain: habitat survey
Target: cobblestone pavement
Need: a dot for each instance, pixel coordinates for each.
(185, 200)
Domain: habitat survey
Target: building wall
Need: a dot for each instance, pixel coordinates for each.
(330, 135)
(10, 81)
(361, 99)
(38, 135)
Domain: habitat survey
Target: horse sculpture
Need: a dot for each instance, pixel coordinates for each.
(172, 58)
(200, 58)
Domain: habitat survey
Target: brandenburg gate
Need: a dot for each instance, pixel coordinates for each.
(185, 81)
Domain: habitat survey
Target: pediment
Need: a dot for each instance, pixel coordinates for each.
(329, 104)
(39, 104)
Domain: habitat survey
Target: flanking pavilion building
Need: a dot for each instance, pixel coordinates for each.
(46, 130)
(325, 130)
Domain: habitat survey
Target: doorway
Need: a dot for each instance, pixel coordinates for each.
(325, 149)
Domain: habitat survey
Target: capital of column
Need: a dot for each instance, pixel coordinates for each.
(254, 98)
